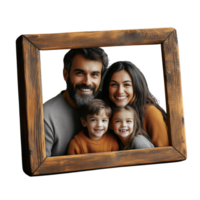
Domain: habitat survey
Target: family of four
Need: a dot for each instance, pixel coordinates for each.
(86, 119)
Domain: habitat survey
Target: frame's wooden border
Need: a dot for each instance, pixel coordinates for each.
(31, 106)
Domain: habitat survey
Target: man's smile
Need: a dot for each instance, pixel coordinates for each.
(85, 91)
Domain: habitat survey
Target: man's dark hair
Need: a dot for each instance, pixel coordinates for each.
(98, 54)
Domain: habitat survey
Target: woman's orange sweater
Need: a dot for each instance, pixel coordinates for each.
(155, 126)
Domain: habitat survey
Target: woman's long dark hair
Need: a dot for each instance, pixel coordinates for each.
(143, 96)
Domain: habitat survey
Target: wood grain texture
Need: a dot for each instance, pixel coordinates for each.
(184, 122)
(172, 76)
(166, 96)
(99, 39)
(109, 159)
(31, 109)
(42, 91)
(22, 106)
(31, 104)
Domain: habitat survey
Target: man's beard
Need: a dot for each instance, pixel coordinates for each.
(80, 99)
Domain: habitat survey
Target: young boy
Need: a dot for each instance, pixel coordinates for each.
(94, 137)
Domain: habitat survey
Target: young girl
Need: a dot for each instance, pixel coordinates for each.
(126, 125)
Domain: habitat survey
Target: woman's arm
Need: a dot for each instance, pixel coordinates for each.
(155, 126)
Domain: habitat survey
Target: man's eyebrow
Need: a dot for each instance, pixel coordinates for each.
(123, 81)
(80, 70)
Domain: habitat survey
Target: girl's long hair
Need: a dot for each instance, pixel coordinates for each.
(137, 129)
(142, 94)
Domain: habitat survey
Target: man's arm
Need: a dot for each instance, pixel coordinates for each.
(49, 139)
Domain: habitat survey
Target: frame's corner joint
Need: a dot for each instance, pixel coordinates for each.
(33, 173)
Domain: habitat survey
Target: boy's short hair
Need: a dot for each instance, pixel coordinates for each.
(94, 107)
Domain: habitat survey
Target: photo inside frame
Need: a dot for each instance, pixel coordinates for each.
(145, 57)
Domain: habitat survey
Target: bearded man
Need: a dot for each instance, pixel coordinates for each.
(83, 71)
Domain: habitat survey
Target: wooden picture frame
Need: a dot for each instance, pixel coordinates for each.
(34, 157)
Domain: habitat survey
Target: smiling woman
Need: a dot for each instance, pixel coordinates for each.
(126, 85)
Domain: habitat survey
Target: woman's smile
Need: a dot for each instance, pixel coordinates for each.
(121, 98)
